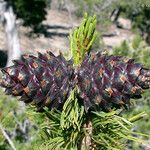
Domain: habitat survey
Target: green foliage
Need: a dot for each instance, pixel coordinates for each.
(101, 8)
(63, 129)
(6, 114)
(85, 6)
(138, 12)
(110, 129)
(82, 38)
(136, 41)
(72, 114)
(140, 126)
(11, 118)
(138, 49)
(32, 12)
(123, 50)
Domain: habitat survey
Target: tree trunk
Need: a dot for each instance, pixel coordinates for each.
(8, 19)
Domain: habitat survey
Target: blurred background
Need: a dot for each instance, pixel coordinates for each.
(29, 26)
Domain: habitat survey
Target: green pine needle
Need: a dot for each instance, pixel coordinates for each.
(82, 38)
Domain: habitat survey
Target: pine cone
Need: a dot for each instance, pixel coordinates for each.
(104, 82)
(110, 81)
(44, 80)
